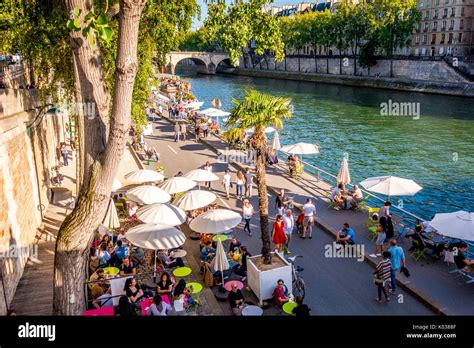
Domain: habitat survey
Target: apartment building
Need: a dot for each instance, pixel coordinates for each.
(446, 28)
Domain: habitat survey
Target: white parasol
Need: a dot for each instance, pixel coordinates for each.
(158, 213)
(144, 175)
(219, 262)
(344, 176)
(195, 199)
(391, 186)
(201, 175)
(148, 194)
(111, 219)
(459, 224)
(216, 221)
(276, 141)
(177, 184)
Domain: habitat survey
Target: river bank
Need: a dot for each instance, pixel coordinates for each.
(419, 86)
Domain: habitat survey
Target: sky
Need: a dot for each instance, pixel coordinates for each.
(197, 23)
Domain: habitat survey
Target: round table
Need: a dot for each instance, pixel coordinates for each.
(228, 285)
(197, 287)
(182, 272)
(179, 253)
(111, 271)
(255, 311)
(222, 237)
(288, 307)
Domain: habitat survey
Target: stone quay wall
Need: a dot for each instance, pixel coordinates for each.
(26, 159)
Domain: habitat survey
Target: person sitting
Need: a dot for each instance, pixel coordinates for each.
(292, 164)
(461, 261)
(234, 246)
(204, 239)
(165, 285)
(183, 295)
(127, 267)
(101, 298)
(299, 222)
(207, 253)
(357, 196)
(241, 268)
(153, 154)
(301, 310)
(236, 299)
(125, 308)
(121, 251)
(103, 255)
(158, 308)
(94, 276)
(134, 293)
(417, 240)
(336, 196)
(169, 262)
(346, 235)
(280, 293)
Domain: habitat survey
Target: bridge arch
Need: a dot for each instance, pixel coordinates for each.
(206, 62)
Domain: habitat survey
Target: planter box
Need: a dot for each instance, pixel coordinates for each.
(263, 283)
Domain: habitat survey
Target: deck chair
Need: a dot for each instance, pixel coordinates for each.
(372, 231)
(331, 203)
(417, 253)
(362, 205)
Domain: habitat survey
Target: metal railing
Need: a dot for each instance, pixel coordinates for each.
(406, 216)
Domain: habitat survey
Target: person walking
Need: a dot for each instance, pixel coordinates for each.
(240, 180)
(385, 217)
(278, 234)
(289, 221)
(226, 181)
(208, 167)
(281, 202)
(382, 275)
(379, 246)
(183, 130)
(247, 212)
(248, 183)
(309, 211)
(397, 257)
(205, 129)
(64, 153)
(176, 132)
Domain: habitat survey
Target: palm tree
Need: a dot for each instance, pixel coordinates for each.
(257, 111)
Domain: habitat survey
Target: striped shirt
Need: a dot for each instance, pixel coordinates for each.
(384, 269)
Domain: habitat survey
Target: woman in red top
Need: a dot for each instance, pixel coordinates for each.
(278, 235)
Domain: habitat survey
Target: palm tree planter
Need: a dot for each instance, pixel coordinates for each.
(258, 111)
(262, 278)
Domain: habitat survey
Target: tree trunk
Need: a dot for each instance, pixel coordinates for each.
(315, 60)
(391, 65)
(77, 230)
(263, 204)
(327, 60)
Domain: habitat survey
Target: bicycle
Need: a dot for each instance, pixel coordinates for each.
(298, 281)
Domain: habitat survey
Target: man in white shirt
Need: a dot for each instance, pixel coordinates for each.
(309, 214)
(289, 221)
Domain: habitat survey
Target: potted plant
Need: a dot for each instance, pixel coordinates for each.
(258, 111)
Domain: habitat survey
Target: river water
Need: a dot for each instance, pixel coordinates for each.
(435, 149)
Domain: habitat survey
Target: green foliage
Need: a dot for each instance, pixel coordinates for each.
(257, 110)
(367, 57)
(36, 29)
(198, 41)
(236, 25)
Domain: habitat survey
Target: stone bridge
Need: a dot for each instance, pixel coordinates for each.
(206, 62)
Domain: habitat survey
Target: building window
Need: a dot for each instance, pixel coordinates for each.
(433, 39)
(421, 4)
(427, 26)
(436, 14)
(445, 13)
(461, 24)
(462, 11)
(425, 39)
(450, 40)
(417, 40)
(427, 15)
(435, 26)
(453, 12)
(437, 2)
(460, 37)
(443, 26)
(443, 37)
(451, 25)
(441, 51)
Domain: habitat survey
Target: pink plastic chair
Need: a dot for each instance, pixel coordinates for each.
(145, 304)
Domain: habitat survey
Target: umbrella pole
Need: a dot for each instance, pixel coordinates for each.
(222, 273)
(154, 270)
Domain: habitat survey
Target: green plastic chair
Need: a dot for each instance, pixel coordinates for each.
(372, 231)
(331, 204)
(417, 253)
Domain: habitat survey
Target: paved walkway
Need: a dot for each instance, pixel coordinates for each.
(334, 285)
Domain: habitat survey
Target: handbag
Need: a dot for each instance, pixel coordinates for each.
(378, 281)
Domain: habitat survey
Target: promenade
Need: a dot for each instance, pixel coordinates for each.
(334, 285)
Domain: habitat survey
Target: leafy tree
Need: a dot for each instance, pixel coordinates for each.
(327, 33)
(394, 21)
(257, 111)
(236, 25)
(294, 33)
(367, 57)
